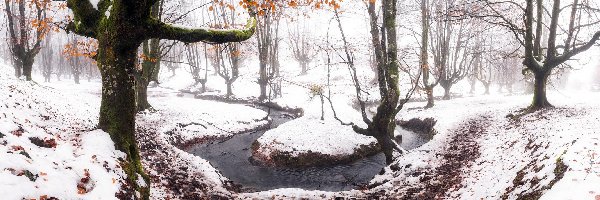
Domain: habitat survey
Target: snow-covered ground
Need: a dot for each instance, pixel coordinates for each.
(80, 162)
(309, 137)
(532, 145)
(49, 146)
(516, 155)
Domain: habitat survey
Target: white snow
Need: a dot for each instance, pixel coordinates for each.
(308, 134)
(95, 3)
(569, 132)
(43, 113)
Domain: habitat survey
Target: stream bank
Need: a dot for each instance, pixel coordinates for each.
(233, 159)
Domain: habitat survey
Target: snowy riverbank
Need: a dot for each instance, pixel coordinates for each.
(50, 148)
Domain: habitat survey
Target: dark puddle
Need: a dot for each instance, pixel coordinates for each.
(233, 159)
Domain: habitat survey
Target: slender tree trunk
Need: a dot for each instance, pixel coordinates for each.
(155, 71)
(472, 83)
(229, 90)
(116, 61)
(141, 88)
(304, 66)
(76, 77)
(487, 88)
(540, 99)
(430, 98)
(149, 64)
(424, 54)
(263, 81)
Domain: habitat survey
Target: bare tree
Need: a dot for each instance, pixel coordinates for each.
(267, 35)
(424, 54)
(384, 40)
(194, 57)
(451, 46)
(300, 44)
(75, 60)
(47, 58)
(27, 26)
(572, 29)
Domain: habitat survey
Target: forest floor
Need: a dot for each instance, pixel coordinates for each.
(458, 155)
(49, 147)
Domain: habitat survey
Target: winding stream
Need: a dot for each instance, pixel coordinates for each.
(233, 159)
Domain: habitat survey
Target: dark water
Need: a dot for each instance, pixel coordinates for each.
(233, 159)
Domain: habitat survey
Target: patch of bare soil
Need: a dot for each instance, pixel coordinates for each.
(458, 155)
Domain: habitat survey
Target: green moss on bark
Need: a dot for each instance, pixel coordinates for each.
(119, 34)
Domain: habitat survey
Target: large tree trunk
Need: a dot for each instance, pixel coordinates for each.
(539, 90)
(383, 130)
(116, 60)
(446, 92)
(27, 68)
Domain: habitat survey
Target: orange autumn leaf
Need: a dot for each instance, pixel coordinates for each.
(293, 3)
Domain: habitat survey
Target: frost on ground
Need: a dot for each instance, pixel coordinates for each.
(49, 148)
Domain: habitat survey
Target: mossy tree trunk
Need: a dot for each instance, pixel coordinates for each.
(384, 40)
(119, 32)
(118, 108)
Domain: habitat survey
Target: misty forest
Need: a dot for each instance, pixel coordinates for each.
(300, 99)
